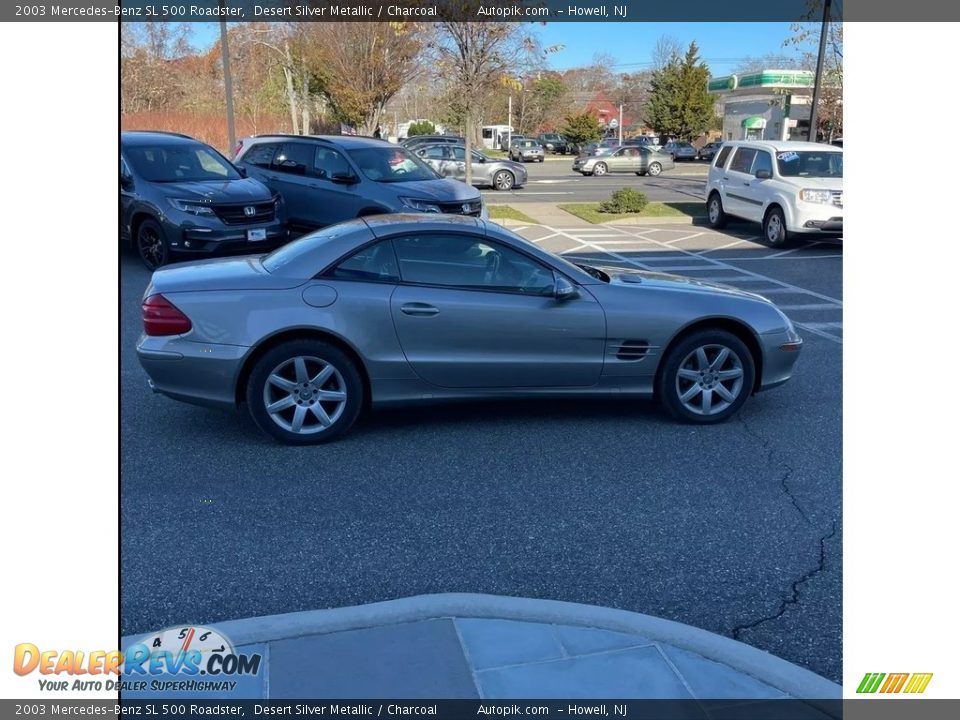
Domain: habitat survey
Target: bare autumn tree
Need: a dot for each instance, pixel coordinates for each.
(147, 51)
(665, 51)
(806, 38)
(361, 66)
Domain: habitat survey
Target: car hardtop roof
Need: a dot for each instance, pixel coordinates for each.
(152, 137)
(348, 142)
(784, 145)
(382, 225)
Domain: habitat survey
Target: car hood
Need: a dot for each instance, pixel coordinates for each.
(439, 190)
(815, 183)
(231, 273)
(648, 279)
(225, 191)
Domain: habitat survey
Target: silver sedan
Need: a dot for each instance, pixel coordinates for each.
(449, 161)
(637, 159)
(398, 309)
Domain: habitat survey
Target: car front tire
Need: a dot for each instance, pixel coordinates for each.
(600, 169)
(305, 392)
(152, 245)
(503, 180)
(775, 228)
(654, 169)
(706, 377)
(716, 217)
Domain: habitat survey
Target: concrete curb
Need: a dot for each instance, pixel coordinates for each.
(780, 674)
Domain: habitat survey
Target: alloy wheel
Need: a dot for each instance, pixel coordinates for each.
(713, 211)
(709, 379)
(305, 395)
(150, 247)
(654, 169)
(503, 180)
(774, 229)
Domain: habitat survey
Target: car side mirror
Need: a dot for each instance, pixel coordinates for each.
(763, 175)
(241, 170)
(563, 289)
(126, 182)
(344, 179)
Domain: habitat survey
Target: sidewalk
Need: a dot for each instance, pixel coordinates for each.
(464, 646)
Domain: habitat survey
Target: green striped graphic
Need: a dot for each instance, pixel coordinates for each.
(870, 682)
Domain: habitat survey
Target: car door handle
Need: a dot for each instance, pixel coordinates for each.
(725, 177)
(418, 309)
(274, 177)
(747, 184)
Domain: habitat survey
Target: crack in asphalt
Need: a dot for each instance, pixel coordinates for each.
(787, 473)
(794, 589)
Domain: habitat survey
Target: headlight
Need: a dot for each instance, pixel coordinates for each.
(191, 206)
(816, 196)
(420, 205)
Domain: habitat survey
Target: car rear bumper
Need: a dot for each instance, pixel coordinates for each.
(193, 372)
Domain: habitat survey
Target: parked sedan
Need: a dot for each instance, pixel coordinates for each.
(554, 143)
(637, 159)
(410, 308)
(680, 151)
(449, 161)
(708, 151)
(526, 150)
(412, 143)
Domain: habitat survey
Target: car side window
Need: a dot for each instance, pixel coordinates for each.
(722, 156)
(373, 263)
(458, 153)
(294, 158)
(437, 152)
(471, 263)
(327, 162)
(762, 162)
(260, 154)
(742, 160)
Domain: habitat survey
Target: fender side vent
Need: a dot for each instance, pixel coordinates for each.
(633, 350)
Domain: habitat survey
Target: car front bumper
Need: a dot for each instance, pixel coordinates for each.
(202, 240)
(781, 350)
(816, 218)
(193, 372)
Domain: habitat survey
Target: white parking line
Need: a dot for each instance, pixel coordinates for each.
(788, 252)
(722, 247)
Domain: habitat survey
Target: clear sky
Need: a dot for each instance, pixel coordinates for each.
(723, 46)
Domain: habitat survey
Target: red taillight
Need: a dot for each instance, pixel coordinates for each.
(161, 317)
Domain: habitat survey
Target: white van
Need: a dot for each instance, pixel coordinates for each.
(493, 136)
(790, 188)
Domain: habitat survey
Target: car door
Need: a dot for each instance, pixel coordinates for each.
(619, 161)
(474, 313)
(434, 156)
(289, 175)
(756, 191)
(333, 198)
(126, 197)
(736, 182)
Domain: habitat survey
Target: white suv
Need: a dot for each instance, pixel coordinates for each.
(790, 188)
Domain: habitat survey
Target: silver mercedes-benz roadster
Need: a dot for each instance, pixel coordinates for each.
(411, 308)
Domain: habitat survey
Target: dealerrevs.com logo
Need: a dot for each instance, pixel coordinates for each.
(178, 659)
(910, 683)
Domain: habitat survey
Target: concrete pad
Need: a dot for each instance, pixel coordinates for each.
(495, 643)
(710, 679)
(583, 641)
(636, 673)
(410, 660)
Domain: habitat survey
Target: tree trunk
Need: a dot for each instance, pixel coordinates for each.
(468, 147)
(305, 102)
(291, 94)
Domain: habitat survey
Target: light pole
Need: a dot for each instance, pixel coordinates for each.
(227, 79)
(818, 80)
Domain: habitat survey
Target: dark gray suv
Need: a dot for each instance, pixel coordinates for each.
(326, 179)
(179, 196)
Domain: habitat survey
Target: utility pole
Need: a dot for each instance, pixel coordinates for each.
(227, 80)
(509, 120)
(620, 126)
(818, 80)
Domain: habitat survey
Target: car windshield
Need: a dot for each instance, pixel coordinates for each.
(810, 163)
(186, 162)
(391, 164)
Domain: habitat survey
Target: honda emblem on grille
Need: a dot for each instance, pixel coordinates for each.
(466, 207)
(249, 211)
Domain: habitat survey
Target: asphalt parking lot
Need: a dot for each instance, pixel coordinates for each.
(733, 528)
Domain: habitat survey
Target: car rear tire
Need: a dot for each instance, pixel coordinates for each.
(600, 169)
(305, 392)
(151, 244)
(503, 180)
(775, 228)
(706, 377)
(716, 217)
(654, 169)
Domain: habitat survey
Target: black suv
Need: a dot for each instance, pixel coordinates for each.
(554, 143)
(179, 196)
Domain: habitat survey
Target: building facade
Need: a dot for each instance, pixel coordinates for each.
(765, 105)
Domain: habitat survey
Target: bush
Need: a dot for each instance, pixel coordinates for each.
(624, 200)
(424, 127)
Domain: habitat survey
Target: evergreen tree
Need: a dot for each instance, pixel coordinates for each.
(679, 103)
